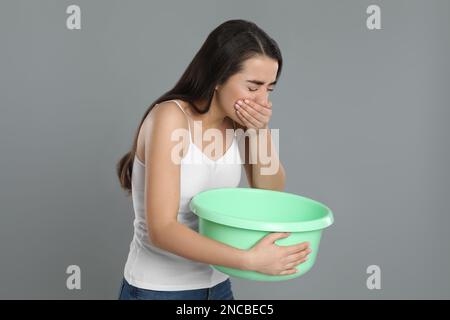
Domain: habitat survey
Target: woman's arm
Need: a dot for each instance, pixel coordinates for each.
(162, 195)
(274, 177)
(183, 241)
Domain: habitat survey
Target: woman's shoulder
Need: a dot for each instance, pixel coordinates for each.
(160, 124)
(164, 118)
(168, 112)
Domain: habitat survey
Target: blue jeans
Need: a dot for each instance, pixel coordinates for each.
(221, 291)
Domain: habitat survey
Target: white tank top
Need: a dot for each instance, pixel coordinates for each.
(149, 267)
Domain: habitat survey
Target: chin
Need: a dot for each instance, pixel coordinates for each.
(235, 118)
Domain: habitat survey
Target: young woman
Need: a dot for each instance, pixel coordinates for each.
(168, 258)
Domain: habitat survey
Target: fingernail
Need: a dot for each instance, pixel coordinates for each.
(236, 106)
(239, 101)
(246, 101)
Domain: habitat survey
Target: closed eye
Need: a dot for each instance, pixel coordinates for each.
(250, 89)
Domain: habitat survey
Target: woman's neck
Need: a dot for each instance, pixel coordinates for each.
(214, 118)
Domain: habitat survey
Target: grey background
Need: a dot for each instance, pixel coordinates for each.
(362, 116)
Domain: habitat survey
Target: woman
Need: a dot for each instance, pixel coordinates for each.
(168, 258)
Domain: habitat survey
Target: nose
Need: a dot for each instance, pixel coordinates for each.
(262, 98)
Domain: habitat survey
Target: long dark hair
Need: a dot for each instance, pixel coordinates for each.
(221, 56)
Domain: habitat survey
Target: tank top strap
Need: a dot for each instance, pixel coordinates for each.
(187, 118)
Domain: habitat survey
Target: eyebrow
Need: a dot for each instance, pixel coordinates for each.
(261, 82)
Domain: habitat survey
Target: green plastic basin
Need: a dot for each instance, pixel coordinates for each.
(240, 217)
